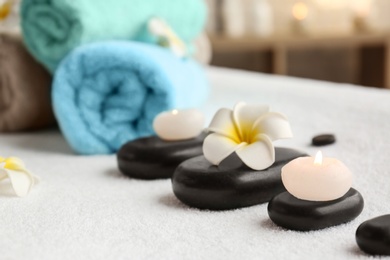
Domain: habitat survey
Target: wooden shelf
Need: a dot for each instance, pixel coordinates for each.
(280, 45)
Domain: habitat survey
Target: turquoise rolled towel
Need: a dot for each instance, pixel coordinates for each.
(52, 28)
(106, 94)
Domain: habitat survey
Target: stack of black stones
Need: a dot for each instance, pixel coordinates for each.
(233, 185)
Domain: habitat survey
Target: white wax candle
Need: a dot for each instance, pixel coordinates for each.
(179, 124)
(300, 12)
(316, 180)
(233, 15)
(260, 18)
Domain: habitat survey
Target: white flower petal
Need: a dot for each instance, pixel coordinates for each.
(258, 155)
(21, 181)
(274, 125)
(217, 147)
(36, 179)
(223, 124)
(245, 116)
(3, 174)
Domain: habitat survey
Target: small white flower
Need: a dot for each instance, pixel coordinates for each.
(21, 179)
(248, 130)
(166, 36)
(9, 14)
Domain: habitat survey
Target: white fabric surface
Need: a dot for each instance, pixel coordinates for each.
(84, 209)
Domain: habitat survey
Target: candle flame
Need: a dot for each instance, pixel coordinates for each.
(362, 8)
(175, 112)
(318, 159)
(300, 11)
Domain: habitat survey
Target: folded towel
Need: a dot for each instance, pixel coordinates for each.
(106, 94)
(52, 28)
(24, 88)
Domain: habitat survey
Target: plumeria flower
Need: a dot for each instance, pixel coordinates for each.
(21, 179)
(9, 18)
(248, 130)
(167, 36)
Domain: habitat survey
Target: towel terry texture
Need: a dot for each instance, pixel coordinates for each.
(105, 94)
(52, 28)
(83, 208)
(24, 88)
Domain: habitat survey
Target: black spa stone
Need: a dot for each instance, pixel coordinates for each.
(152, 158)
(373, 236)
(231, 185)
(321, 140)
(289, 212)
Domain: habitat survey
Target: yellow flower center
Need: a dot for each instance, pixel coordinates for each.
(5, 9)
(12, 163)
(247, 135)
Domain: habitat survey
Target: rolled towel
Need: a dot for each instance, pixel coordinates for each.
(106, 94)
(52, 28)
(25, 102)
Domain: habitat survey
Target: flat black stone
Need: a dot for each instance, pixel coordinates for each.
(152, 158)
(373, 236)
(289, 212)
(231, 185)
(325, 139)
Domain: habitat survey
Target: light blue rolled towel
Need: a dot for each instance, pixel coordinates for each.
(105, 94)
(52, 28)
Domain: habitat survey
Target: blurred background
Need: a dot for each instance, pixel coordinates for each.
(344, 41)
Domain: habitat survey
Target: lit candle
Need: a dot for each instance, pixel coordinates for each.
(362, 10)
(179, 124)
(362, 7)
(299, 12)
(332, 17)
(319, 179)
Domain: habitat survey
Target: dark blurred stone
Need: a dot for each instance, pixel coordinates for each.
(152, 158)
(231, 185)
(289, 212)
(325, 139)
(373, 236)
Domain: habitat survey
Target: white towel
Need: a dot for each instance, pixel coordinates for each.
(84, 209)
